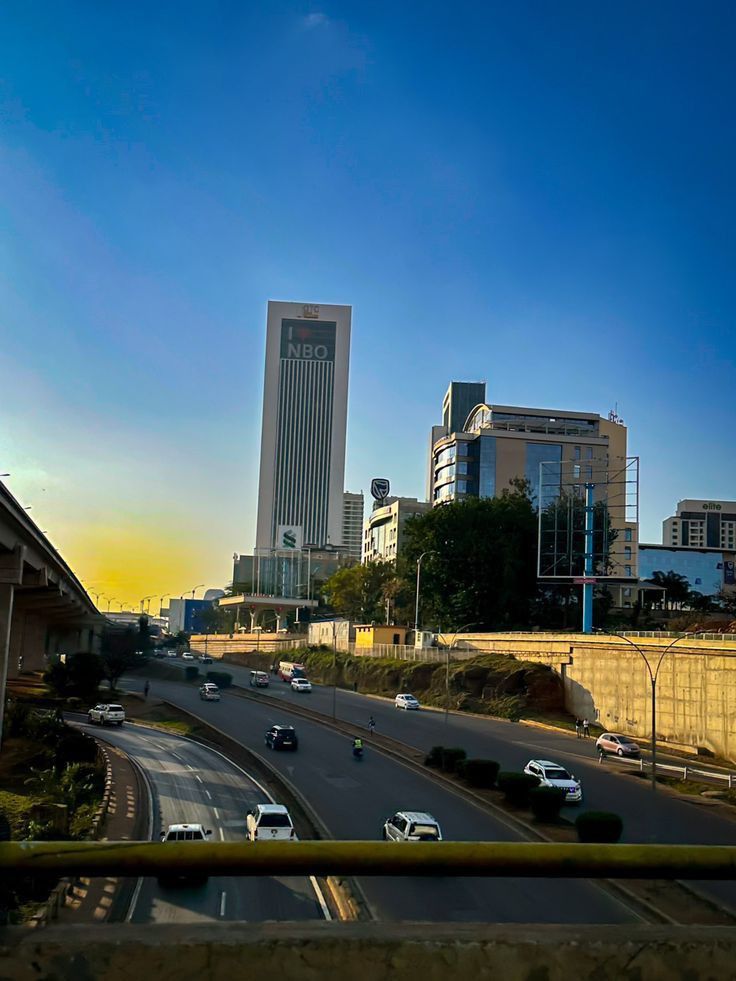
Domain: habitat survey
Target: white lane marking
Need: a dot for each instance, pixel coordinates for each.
(222, 834)
(189, 767)
(197, 777)
(320, 898)
(223, 897)
(217, 813)
(176, 756)
(208, 793)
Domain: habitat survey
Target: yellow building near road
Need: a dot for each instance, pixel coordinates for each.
(370, 635)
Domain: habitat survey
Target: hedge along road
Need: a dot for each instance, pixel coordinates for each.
(193, 785)
(353, 798)
(658, 818)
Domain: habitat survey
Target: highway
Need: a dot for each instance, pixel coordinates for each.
(353, 798)
(193, 784)
(648, 817)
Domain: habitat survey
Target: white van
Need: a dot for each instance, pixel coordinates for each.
(258, 679)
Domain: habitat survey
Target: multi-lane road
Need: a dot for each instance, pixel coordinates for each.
(354, 798)
(191, 784)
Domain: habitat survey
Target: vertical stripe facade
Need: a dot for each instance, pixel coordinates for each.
(303, 447)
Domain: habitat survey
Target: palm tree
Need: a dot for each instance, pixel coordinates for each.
(676, 587)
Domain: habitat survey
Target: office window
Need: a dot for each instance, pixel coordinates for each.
(577, 452)
(487, 466)
(627, 570)
(588, 452)
(627, 552)
(628, 535)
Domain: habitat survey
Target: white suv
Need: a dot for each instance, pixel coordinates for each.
(107, 714)
(269, 822)
(552, 774)
(406, 702)
(412, 826)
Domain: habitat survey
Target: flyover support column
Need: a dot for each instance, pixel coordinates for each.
(7, 591)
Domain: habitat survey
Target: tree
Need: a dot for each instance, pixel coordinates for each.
(120, 651)
(677, 587)
(699, 602)
(215, 620)
(85, 671)
(359, 592)
(482, 570)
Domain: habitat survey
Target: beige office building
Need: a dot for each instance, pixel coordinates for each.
(383, 530)
(499, 443)
(352, 524)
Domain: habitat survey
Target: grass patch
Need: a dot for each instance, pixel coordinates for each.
(17, 809)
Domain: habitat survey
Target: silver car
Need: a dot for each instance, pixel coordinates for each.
(611, 742)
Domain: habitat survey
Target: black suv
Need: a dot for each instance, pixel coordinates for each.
(282, 737)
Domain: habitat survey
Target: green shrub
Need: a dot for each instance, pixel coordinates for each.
(546, 802)
(599, 827)
(516, 787)
(220, 678)
(451, 756)
(434, 757)
(73, 747)
(17, 719)
(191, 673)
(479, 773)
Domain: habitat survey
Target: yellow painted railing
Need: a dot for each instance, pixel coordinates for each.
(529, 860)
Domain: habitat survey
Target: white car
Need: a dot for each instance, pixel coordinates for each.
(171, 654)
(209, 692)
(406, 702)
(301, 684)
(269, 822)
(412, 826)
(187, 656)
(107, 715)
(552, 774)
(184, 832)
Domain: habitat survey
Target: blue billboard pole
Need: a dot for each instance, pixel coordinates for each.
(588, 570)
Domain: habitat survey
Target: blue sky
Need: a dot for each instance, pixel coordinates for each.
(538, 195)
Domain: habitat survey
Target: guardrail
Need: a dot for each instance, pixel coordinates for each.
(686, 771)
(527, 859)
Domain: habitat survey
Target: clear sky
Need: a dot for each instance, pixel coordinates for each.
(540, 195)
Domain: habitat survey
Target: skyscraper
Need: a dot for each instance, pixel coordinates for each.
(352, 524)
(305, 397)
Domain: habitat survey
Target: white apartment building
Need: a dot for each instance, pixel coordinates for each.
(383, 530)
(701, 524)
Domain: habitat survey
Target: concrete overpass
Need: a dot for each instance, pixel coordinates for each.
(44, 609)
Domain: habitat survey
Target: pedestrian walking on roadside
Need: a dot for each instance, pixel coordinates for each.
(579, 728)
(586, 728)
(371, 725)
(601, 754)
(146, 689)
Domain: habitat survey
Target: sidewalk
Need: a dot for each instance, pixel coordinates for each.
(92, 899)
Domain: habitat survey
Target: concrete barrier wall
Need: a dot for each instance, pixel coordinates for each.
(371, 952)
(607, 681)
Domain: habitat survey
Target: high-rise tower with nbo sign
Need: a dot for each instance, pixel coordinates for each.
(305, 405)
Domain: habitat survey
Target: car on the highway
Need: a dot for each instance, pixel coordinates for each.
(184, 832)
(269, 822)
(172, 654)
(205, 659)
(412, 826)
(209, 692)
(112, 715)
(282, 737)
(258, 679)
(301, 684)
(611, 742)
(552, 774)
(187, 656)
(406, 701)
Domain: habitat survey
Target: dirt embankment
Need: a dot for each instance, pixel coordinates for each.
(491, 684)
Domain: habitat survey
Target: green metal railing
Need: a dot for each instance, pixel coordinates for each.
(243, 858)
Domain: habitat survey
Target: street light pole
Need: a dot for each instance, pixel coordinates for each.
(653, 678)
(416, 606)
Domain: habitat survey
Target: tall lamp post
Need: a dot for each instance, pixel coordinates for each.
(198, 586)
(653, 673)
(161, 602)
(419, 572)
